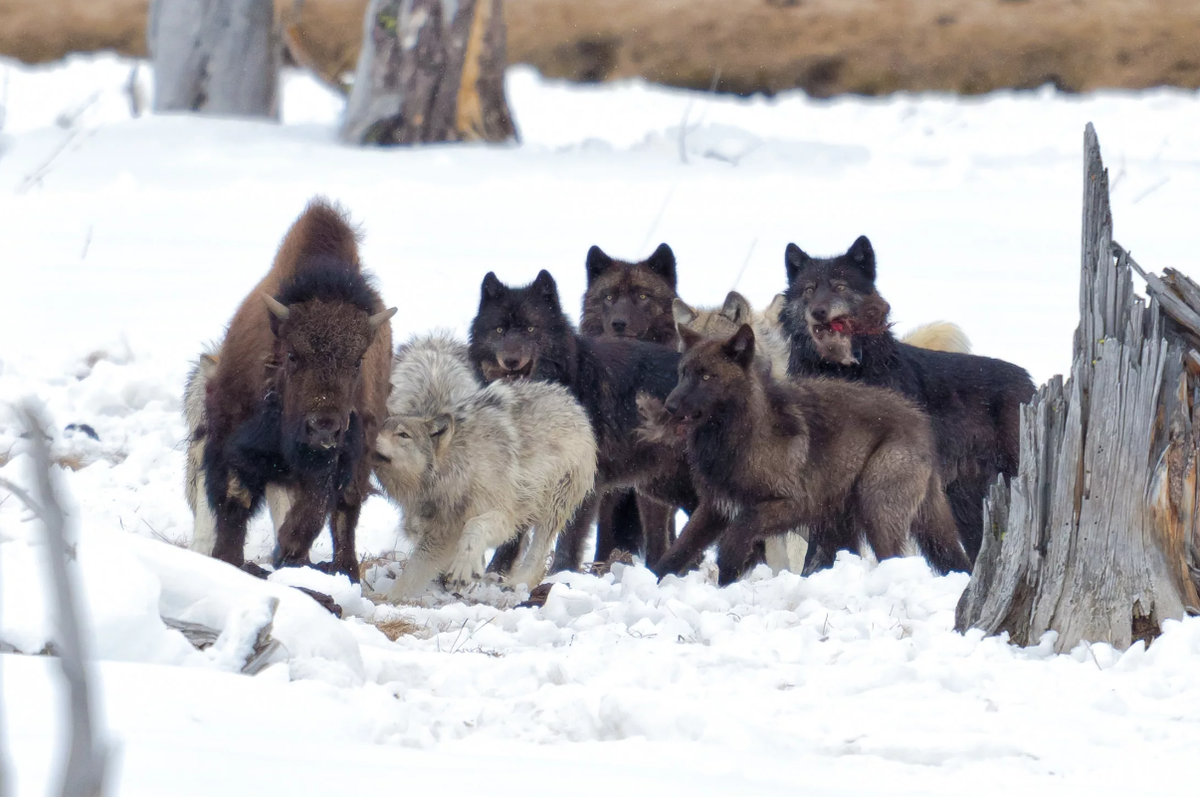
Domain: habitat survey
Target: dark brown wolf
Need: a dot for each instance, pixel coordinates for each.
(630, 300)
(837, 325)
(298, 394)
(522, 332)
(768, 456)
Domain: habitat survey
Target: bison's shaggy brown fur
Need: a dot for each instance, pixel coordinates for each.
(298, 394)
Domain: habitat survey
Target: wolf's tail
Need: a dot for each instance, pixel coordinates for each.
(939, 336)
(936, 534)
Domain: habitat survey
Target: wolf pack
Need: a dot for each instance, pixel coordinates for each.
(784, 434)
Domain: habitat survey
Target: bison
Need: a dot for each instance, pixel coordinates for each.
(298, 395)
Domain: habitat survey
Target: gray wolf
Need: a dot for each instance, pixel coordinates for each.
(474, 466)
(522, 332)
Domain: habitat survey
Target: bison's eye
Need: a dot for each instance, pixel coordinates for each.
(292, 358)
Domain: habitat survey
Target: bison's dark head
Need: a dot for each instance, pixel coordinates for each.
(319, 348)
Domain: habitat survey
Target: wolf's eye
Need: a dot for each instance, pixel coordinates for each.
(499, 330)
(404, 435)
(840, 289)
(706, 377)
(808, 291)
(642, 297)
(609, 298)
(531, 330)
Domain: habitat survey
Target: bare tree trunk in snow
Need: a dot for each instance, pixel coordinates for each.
(429, 71)
(218, 57)
(1094, 536)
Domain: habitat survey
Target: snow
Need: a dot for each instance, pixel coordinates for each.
(127, 242)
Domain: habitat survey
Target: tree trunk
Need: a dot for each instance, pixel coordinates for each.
(1091, 538)
(430, 70)
(218, 57)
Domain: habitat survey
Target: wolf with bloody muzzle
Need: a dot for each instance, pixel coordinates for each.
(837, 326)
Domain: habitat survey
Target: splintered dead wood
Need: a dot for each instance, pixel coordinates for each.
(1094, 538)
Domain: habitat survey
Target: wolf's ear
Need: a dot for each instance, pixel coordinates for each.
(682, 313)
(775, 309)
(493, 288)
(740, 348)
(795, 259)
(736, 308)
(689, 337)
(597, 264)
(441, 429)
(545, 285)
(662, 263)
(862, 256)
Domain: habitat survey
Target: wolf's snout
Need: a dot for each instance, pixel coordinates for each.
(819, 314)
(618, 326)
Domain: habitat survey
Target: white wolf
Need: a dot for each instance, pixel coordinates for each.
(473, 466)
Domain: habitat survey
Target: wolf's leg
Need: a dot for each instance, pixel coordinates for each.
(658, 523)
(568, 554)
(618, 524)
(532, 568)
(428, 560)
(936, 533)
(479, 533)
(702, 529)
(505, 556)
(763, 521)
(890, 488)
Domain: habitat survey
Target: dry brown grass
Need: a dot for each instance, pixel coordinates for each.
(397, 627)
(824, 46)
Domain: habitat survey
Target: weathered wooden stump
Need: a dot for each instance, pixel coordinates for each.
(1094, 536)
(430, 70)
(215, 56)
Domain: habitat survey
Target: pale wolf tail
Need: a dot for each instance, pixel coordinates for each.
(939, 336)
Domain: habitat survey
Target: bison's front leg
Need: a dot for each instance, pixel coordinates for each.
(304, 520)
(345, 557)
(232, 508)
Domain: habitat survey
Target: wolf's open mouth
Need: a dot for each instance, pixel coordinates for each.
(518, 373)
(838, 326)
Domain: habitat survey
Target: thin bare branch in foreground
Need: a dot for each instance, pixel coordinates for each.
(84, 775)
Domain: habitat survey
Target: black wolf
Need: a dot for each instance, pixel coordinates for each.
(769, 456)
(629, 300)
(837, 325)
(523, 333)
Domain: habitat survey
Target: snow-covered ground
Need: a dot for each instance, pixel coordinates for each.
(125, 243)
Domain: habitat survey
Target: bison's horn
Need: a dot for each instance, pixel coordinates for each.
(277, 308)
(380, 318)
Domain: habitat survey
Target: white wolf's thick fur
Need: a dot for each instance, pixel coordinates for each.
(473, 466)
(939, 336)
(204, 529)
(721, 322)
